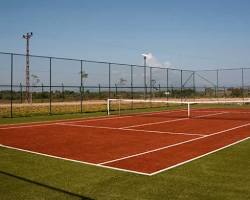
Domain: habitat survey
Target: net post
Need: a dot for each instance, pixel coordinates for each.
(108, 106)
(189, 110)
(119, 106)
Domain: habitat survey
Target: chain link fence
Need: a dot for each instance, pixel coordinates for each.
(62, 85)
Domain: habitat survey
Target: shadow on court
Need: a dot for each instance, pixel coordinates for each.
(46, 186)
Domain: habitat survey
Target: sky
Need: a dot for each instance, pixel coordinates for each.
(193, 34)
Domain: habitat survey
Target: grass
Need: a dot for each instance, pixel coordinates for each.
(41, 118)
(24, 110)
(224, 175)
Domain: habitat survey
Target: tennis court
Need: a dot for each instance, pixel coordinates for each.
(145, 143)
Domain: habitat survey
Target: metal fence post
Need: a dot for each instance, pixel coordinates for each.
(131, 86)
(159, 90)
(115, 90)
(42, 88)
(109, 79)
(42, 92)
(83, 91)
(50, 89)
(167, 86)
(99, 90)
(242, 82)
(21, 93)
(63, 95)
(11, 88)
(194, 86)
(145, 80)
(150, 79)
(181, 85)
(217, 83)
(131, 82)
(81, 87)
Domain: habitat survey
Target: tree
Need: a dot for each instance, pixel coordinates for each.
(121, 82)
(34, 80)
(83, 75)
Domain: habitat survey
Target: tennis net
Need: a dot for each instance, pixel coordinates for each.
(221, 109)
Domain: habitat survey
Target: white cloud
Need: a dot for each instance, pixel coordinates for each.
(154, 62)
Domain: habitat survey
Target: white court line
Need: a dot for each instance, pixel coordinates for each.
(242, 112)
(229, 112)
(173, 145)
(219, 113)
(152, 123)
(174, 120)
(204, 109)
(72, 160)
(214, 111)
(25, 126)
(167, 132)
(57, 122)
(198, 157)
(128, 129)
(35, 124)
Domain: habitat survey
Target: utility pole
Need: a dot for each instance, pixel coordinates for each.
(27, 36)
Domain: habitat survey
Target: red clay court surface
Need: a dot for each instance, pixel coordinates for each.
(147, 143)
